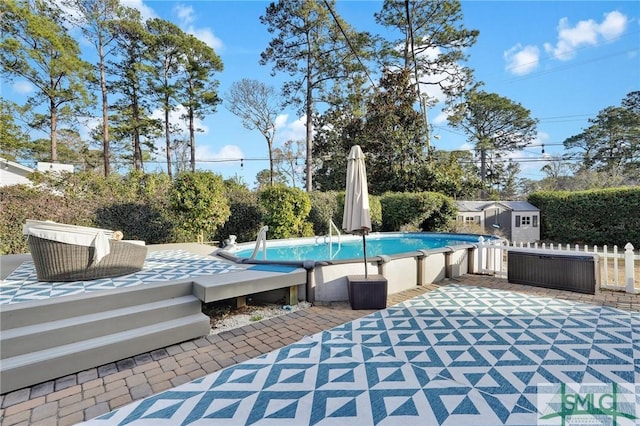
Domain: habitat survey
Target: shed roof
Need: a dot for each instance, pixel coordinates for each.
(479, 206)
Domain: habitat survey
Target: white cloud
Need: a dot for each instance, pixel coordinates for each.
(145, 11)
(23, 87)
(431, 84)
(586, 33)
(175, 118)
(184, 13)
(540, 138)
(613, 25)
(207, 36)
(295, 130)
(441, 118)
(227, 152)
(467, 147)
(88, 125)
(186, 16)
(281, 121)
(522, 60)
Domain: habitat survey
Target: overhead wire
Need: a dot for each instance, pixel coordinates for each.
(344, 34)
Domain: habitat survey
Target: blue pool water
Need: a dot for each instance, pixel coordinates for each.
(377, 244)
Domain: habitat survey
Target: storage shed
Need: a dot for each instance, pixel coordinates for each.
(518, 221)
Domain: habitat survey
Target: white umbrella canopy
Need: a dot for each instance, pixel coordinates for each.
(357, 218)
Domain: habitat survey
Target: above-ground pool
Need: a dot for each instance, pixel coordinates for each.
(350, 247)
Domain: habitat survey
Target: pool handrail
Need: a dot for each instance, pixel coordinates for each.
(260, 239)
(333, 226)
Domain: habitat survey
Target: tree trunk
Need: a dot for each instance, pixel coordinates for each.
(105, 111)
(309, 124)
(137, 150)
(270, 144)
(167, 135)
(483, 172)
(192, 140)
(53, 132)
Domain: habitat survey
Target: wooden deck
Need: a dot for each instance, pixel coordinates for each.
(49, 337)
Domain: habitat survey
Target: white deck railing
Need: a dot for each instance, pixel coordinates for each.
(617, 266)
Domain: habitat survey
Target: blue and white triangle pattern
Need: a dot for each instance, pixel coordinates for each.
(314, 383)
(22, 284)
(504, 344)
(459, 355)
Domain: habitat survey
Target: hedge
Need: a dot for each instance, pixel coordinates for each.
(246, 218)
(603, 216)
(375, 210)
(419, 211)
(285, 211)
(198, 199)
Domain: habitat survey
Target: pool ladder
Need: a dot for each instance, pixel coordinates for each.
(261, 239)
(333, 226)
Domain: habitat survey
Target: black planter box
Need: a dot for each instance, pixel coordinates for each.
(367, 293)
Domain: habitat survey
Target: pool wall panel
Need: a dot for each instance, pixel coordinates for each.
(331, 280)
(433, 269)
(458, 263)
(401, 274)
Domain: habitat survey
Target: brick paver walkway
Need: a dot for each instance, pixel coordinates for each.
(88, 394)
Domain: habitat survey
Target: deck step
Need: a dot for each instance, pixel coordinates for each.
(58, 308)
(36, 367)
(48, 339)
(37, 337)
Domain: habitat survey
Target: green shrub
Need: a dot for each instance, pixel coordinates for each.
(138, 221)
(199, 202)
(139, 207)
(375, 208)
(20, 203)
(444, 217)
(420, 211)
(603, 216)
(246, 219)
(323, 209)
(285, 211)
(137, 204)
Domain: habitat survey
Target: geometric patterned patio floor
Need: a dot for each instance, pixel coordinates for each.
(22, 284)
(458, 355)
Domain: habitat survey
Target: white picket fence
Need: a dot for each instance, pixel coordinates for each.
(617, 270)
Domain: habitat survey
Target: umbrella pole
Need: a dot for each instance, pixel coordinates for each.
(364, 248)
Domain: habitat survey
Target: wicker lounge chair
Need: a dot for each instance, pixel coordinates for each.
(63, 252)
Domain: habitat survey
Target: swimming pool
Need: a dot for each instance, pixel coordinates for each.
(350, 247)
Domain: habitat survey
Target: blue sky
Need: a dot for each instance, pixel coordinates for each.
(564, 61)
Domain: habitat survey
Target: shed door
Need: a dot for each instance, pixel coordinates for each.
(505, 223)
(491, 218)
(498, 220)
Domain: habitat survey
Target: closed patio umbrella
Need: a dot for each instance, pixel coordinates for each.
(357, 218)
